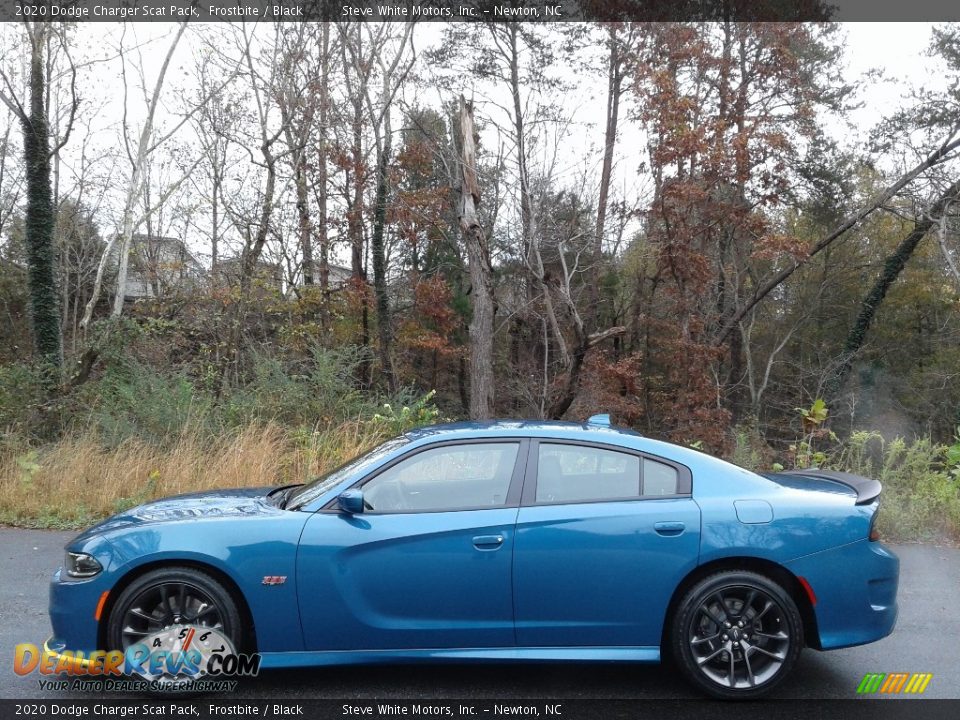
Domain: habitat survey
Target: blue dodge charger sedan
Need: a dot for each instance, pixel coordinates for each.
(501, 541)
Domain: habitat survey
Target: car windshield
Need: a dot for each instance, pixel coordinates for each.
(311, 491)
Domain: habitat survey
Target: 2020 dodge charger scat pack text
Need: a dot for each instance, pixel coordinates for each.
(502, 541)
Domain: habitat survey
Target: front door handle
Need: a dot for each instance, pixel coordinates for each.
(487, 542)
(671, 527)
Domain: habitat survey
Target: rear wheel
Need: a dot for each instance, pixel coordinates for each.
(736, 635)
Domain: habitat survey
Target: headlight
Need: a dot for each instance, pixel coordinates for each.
(81, 565)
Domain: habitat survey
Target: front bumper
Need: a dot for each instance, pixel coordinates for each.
(856, 589)
(61, 656)
(73, 609)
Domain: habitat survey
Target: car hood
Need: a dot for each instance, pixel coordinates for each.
(192, 506)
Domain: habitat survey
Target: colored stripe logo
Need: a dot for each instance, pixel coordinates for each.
(894, 683)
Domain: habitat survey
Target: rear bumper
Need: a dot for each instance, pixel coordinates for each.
(856, 590)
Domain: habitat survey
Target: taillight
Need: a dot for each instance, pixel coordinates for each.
(874, 532)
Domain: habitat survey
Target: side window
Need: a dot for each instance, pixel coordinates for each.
(577, 473)
(659, 479)
(451, 477)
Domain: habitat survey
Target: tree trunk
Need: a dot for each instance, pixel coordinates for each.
(462, 385)
(252, 253)
(355, 227)
(478, 255)
(733, 239)
(215, 221)
(892, 267)
(138, 179)
(40, 217)
(378, 256)
(614, 82)
(297, 131)
(303, 215)
(320, 190)
(526, 201)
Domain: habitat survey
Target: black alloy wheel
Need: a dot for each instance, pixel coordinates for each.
(166, 597)
(736, 635)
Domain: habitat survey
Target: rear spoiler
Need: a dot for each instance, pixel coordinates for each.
(867, 489)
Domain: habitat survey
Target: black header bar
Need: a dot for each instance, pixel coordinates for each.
(207, 708)
(478, 10)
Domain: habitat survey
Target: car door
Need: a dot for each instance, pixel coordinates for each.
(604, 535)
(427, 564)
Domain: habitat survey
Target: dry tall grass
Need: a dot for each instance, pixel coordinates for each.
(77, 480)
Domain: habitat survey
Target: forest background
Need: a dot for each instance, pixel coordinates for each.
(238, 254)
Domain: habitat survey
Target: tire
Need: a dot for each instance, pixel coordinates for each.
(751, 656)
(206, 602)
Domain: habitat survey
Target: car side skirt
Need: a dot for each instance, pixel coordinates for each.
(429, 655)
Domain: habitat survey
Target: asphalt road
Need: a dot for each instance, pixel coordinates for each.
(927, 639)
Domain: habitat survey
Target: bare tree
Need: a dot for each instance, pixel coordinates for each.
(11, 180)
(320, 186)
(481, 273)
(393, 71)
(212, 124)
(356, 77)
(138, 161)
(264, 89)
(949, 254)
(615, 76)
(298, 99)
(148, 142)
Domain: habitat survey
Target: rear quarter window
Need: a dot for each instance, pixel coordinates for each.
(659, 479)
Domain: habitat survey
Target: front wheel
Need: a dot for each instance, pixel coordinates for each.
(171, 598)
(736, 635)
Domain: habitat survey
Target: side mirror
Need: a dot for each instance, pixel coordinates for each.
(351, 501)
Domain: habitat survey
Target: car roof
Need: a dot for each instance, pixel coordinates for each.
(519, 428)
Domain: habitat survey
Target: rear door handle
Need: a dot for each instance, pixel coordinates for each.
(670, 527)
(487, 542)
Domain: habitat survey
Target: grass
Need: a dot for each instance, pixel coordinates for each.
(78, 480)
(137, 433)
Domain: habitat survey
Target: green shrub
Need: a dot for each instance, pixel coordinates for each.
(21, 400)
(316, 391)
(750, 449)
(420, 412)
(920, 499)
(132, 400)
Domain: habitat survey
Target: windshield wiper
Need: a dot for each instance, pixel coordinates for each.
(287, 494)
(280, 495)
